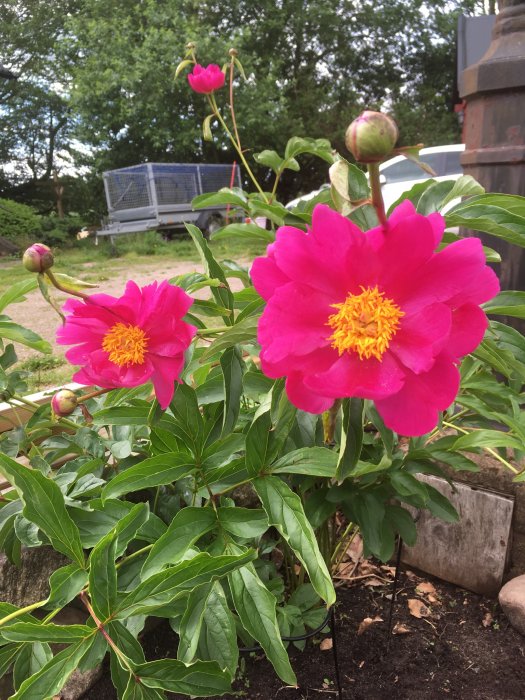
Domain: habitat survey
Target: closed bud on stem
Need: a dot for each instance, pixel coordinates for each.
(190, 45)
(233, 52)
(371, 137)
(64, 403)
(38, 258)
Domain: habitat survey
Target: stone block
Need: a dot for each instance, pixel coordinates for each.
(512, 600)
(29, 582)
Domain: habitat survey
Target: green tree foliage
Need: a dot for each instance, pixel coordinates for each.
(312, 65)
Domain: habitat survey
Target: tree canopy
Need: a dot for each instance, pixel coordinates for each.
(101, 73)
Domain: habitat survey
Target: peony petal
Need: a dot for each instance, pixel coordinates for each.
(456, 275)
(166, 371)
(421, 337)
(367, 379)
(414, 410)
(469, 324)
(304, 398)
(294, 322)
(266, 276)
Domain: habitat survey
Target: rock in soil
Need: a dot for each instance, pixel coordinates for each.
(512, 600)
(28, 583)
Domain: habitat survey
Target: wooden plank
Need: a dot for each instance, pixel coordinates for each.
(15, 413)
(471, 553)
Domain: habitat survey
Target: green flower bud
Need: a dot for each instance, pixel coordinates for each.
(38, 258)
(64, 403)
(371, 137)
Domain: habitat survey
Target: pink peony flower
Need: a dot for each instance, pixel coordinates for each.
(206, 80)
(129, 340)
(378, 315)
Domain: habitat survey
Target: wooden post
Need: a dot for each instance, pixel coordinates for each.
(494, 130)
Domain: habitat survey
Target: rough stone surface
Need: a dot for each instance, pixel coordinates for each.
(79, 683)
(29, 582)
(512, 600)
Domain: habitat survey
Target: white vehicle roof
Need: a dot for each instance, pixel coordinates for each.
(424, 151)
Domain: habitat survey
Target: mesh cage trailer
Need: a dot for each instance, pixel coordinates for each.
(157, 196)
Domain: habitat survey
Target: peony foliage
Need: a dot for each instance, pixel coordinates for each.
(225, 451)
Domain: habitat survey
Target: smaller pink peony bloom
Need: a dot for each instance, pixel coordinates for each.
(206, 80)
(38, 258)
(129, 340)
(378, 315)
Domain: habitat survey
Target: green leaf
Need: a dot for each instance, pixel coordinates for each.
(191, 623)
(65, 584)
(351, 438)
(154, 471)
(407, 485)
(103, 576)
(261, 446)
(255, 606)
(16, 292)
(189, 525)
(465, 186)
(433, 197)
(368, 510)
(222, 197)
(44, 505)
(30, 660)
(201, 679)
(122, 415)
(243, 332)
(243, 522)
(310, 461)
(138, 691)
(403, 523)
(244, 233)
(507, 303)
(316, 147)
(232, 370)
(54, 634)
(163, 587)
(218, 639)
(222, 294)
(52, 677)
(190, 427)
(285, 512)
(19, 334)
(206, 128)
(486, 438)
(440, 506)
(501, 215)
(8, 654)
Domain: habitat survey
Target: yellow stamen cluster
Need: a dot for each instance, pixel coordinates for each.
(126, 345)
(365, 323)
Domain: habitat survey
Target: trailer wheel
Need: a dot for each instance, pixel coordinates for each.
(214, 223)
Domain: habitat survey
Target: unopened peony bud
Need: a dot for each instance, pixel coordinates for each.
(371, 137)
(64, 403)
(233, 52)
(38, 258)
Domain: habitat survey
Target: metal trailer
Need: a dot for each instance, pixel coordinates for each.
(157, 197)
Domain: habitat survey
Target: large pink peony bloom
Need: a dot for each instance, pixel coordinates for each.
(377, 315)
(129, 340)
(206, 80)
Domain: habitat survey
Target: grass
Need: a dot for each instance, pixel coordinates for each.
(97, 263)
(46, 371)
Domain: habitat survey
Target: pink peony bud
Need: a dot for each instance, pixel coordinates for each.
(371, 137)
(64, 403)
(38, 258)
(206, 80)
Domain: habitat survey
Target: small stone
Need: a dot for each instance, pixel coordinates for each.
(512, 600)
(29, 582)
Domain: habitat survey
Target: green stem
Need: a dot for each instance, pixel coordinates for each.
(22, 611)
(134, 555)
(377, 196)
(488, 449)
(212, 331)
(236, 145)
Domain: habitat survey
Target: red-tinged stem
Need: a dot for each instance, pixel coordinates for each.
(62, 288)
(92, 395)
(106, 636)
(377, 196)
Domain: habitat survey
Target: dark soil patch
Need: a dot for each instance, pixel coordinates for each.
(465, 650)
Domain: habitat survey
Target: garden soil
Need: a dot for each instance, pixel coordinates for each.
(447, 643)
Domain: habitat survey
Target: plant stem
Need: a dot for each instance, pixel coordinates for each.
(237, 146)
(62, 288)
(22, 611)
(92, 395)
(134, 555)
(377, 196)
(342, 542)
(232, 110)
